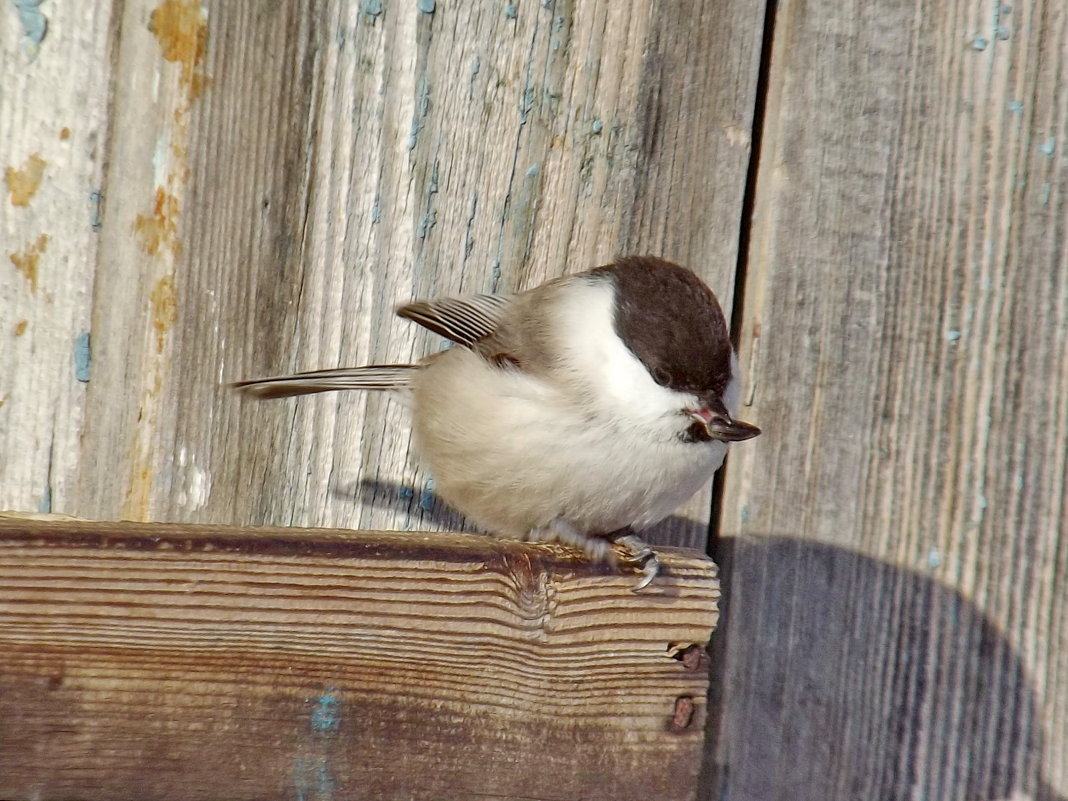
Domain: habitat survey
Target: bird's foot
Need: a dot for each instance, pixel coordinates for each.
(641, 555)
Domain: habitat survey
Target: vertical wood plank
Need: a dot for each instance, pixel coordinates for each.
(895, 626)
(53, 141)
(284, 175)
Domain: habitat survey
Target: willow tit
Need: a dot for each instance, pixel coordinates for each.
(582, 410)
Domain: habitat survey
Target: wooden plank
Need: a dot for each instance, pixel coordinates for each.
(280, 176)
(897, 576)
(53, 134)
(204, 662)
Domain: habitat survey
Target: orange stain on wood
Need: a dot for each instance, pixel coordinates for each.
(64, 134)
(23, 184)
(26, 261)
(20, 327)
(164, 302)
(160, 228)
(181, 28)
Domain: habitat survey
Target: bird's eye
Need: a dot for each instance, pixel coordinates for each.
(661, 376)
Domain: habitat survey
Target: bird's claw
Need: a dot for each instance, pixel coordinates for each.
(650, 570)
(642, 556)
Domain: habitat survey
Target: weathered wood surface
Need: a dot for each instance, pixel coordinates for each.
(280, 176)
(898, 576)
(199, 662)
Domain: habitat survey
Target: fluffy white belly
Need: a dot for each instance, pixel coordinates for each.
(512, 452)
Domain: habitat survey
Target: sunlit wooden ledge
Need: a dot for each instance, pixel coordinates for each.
(204, 662)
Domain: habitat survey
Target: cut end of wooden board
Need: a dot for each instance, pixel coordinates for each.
(202, 662)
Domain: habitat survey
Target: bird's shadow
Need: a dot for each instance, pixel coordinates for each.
(837, 676)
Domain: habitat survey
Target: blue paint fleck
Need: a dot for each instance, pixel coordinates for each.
(407, 493)
(495, 274)
(96, 214)
(34, 23)
(532, 171)
(326, 717)
(426, 499)
(953, 335)
(376, 209)
(433, 188)
(597, 126)
(427, 6)
(934, 558)
(372, 8)
(83, 359)
(1047, 147)
(430, 219)
(476, 65)
(511, 12)
(1046, 189)
(45, 506)
(744, 515)
(1001, 32)
(312, 778)
(979, 43)
(1016, 107)
(558, 23)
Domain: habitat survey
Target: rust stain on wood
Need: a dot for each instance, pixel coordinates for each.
(23, 183)
(64, 134)
(181, 28)
(159, 229)
(27, 261)
(164, 308)
(20, 327)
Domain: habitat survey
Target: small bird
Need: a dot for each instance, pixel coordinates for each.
(583, 410)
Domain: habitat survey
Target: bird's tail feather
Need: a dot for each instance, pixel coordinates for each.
(375, 376)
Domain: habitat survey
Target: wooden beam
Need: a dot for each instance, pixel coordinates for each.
(206, 662)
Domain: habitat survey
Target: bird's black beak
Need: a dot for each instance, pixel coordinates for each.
(721, 426)
(732, 430)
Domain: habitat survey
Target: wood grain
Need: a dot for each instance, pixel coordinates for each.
(898, 576)
(200, 662)
(280, 176)
(53, 135)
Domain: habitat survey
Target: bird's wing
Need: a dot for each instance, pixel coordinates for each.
(376, 376)
(465, 320)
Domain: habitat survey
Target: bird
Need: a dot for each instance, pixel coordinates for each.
(582, 411)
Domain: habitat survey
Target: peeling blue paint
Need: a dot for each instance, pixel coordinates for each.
(953, 335)
(934, 558)
(1047, 147)
(83, 359)
(427, 6)
(1046, 189)
(372, 8)
(1001, 32)
(980, 43)
(476, 65)
(326, 717)
(407, 493)
(34, 23)
(744, 514)
(511, 12)
(426, 499)
(1016, 107)
(376, 209)
(597, 126)
(495, 275)
(96, 213)
(532, 170)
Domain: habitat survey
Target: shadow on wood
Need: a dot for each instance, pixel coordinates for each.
(200, 662)
(848, 678)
